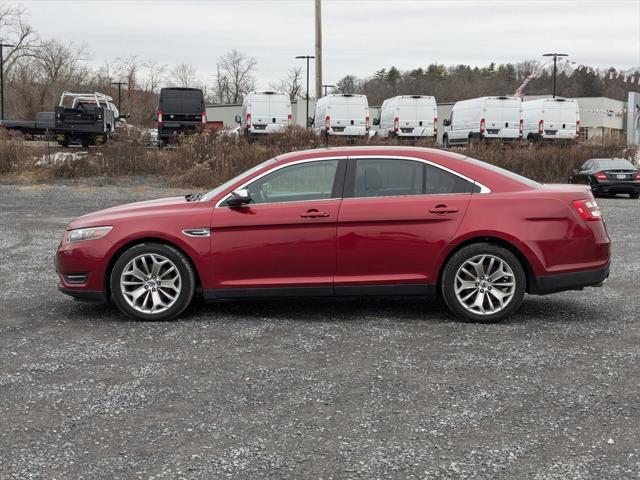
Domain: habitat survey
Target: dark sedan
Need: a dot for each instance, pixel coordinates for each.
(608, 176)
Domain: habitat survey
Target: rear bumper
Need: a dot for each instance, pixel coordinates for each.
(616, 187)
(545, 284)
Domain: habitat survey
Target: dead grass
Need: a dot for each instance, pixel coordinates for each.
(208, 159)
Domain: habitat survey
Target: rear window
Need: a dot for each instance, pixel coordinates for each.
(181, 101)
(617, 163)
(506, 173)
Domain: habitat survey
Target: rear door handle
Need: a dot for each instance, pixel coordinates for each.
(313, 213)
(443, 210)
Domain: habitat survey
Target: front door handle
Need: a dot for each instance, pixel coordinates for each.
(313, 213)
(443, 210)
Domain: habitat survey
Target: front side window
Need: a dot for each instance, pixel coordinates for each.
(296, 183)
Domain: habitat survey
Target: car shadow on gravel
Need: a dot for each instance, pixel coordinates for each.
(403, 309)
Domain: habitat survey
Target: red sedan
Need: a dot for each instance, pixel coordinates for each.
(344, 221)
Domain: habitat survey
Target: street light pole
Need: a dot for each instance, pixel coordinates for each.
(326, 87)
(119, 84)
(307, 57)
(2, 47)
(555, 66)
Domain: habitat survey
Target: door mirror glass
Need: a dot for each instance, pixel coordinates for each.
(446, 122)
(310, 122)
(376, 121)
(238, 119)
(239, 197)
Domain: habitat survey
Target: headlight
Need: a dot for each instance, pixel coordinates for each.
(92, 233)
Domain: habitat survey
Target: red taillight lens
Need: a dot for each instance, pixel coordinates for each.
(327, 122)
(435, 125)
(366, 123)
(588, 210)
(396, 124)
(204, 117)
(482, 127)
(289, 118)
(248, 120)
(159, 116)
(577, 128)
(637, 176)
(601, 176)
(541, 126)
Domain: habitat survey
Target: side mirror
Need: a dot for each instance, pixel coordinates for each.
(446, 122)
(310, 121)
(376, 121)
(239, 197)
(238, 119)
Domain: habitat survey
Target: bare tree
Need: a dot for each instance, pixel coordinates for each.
(235, 77)
(154, 75)
(291, 84)
(184, 75)
(15, 31)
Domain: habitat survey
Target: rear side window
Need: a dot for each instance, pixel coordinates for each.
(395, 177)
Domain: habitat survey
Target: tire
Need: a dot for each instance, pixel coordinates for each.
(634, 195)
(141, 308)
(86, 142)
(445, 142)
(454, 277)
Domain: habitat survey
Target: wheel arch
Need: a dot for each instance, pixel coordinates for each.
(137, 241)
(501, 242)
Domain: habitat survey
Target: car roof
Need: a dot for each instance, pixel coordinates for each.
(419, 152)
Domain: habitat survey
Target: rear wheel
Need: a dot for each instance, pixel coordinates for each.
(483, 283)
(634, 195)
(446, 143)
(152, 281)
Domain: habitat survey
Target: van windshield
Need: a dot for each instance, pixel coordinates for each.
(209, 195)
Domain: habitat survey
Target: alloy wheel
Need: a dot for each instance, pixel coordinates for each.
(485, 284)
(150, 283)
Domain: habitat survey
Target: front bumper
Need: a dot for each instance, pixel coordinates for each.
(545, 284)
(81, 268)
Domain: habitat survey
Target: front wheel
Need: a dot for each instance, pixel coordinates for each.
(483, 283)
(152, 281)
(446, 143)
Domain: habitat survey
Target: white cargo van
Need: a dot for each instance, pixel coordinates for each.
(483, 118)
(264, 113)
(342, 115)
(550, 119)
(409, 117)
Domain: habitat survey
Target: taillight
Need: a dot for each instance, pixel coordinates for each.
(577, 128)
(435, 126)
(396, 124)
(289, 118)
(248, 120)
(601, 176)
(159, 116)
(588, 210)
(521, 129)
(366, 123)
(636, 176)
(482, 127)
(541, 127)
(327, 123)
(204, 118)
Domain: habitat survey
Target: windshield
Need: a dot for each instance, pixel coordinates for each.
(228, 183)
(506, 173)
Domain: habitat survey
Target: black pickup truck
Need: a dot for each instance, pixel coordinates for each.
(180, 111)
(85, 118)
(44, 124)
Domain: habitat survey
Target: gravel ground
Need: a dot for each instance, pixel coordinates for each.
(338, 389)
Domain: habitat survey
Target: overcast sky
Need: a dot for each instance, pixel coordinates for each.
(360, 36)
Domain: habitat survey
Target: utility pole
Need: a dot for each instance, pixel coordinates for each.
(2, 47)
(318, 49)
(326, 87)
(307, 57)
(555, 67)
(119, 84)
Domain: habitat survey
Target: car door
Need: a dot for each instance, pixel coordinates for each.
(396, 217)
(285, 238)
(584, 172)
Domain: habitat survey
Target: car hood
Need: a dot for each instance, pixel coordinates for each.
(108, 216)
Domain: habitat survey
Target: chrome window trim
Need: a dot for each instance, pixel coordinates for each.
(483, 188)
